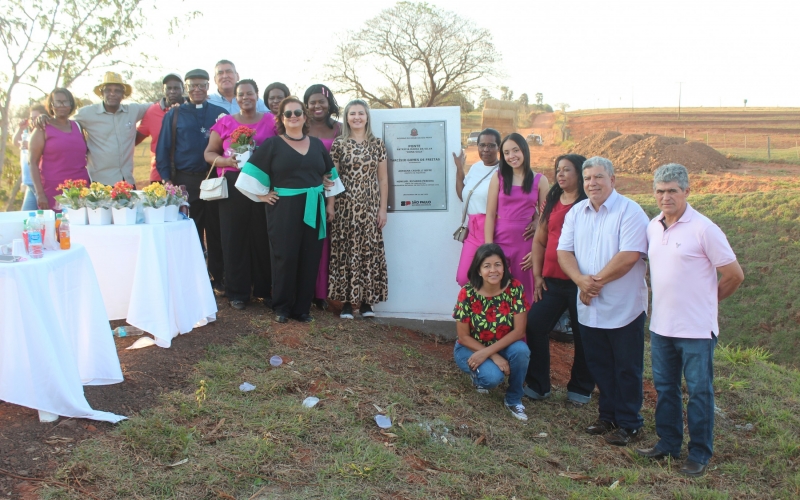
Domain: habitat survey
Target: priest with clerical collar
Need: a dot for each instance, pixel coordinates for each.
(179, 160)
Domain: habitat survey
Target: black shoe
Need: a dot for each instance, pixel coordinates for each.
(366, 311)
(653, 453)
(239, 305)
(267, 302)
(622, 437)
(600, 427)
(321, 304)
(692, 468)
(280, 318)
(219, 291)
(302, 318)
(347, 311)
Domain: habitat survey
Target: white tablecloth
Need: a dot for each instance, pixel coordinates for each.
(54, 335)
(152, 275)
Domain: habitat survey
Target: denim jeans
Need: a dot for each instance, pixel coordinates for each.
(489, 376)
(561, 295)
(615, 357)
(694, 358)
(29, 201)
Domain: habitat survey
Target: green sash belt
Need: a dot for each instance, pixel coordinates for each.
(314, 201)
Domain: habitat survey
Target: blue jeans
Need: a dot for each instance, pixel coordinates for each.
(615, 357)
(489, 376)
(29, 202)
(694, 358)
(561, 295)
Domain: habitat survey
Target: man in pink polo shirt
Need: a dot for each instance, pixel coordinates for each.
(150, 126)
(686, 252)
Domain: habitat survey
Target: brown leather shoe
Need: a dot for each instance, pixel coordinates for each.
(600, 427)
(692, 468)
(622, 437)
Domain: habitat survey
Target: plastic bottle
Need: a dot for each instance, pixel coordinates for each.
(63, 232)
(35, 239)
(40, 221)
(127, 331)
(58, 224)
(26, 224)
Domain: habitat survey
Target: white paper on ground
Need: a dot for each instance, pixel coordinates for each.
(310, 402)
(383, 421)
(142, 342)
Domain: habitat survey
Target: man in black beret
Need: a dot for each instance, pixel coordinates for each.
(179, 160)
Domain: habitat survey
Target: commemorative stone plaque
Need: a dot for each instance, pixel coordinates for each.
(417, 165)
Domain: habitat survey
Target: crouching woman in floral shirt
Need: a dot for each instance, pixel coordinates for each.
(491, 316)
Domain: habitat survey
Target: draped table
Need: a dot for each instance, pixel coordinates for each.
(152, 275)
(54, 335)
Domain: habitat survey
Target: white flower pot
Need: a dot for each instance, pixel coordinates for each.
(99, 216)
(77, 216)
(154, 215)
(171, 213)
(242, 158)
(124, 216)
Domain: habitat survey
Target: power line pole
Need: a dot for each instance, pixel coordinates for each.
(680, 87)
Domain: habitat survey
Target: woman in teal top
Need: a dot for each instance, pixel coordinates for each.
(287, 173)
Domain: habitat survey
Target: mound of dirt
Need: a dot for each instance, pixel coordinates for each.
(639, 154)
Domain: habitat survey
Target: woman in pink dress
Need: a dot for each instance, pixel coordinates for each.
(515, 196)
(322, 107)
(242, 222)
(59, 150)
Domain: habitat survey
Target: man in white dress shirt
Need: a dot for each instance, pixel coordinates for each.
(602, 248)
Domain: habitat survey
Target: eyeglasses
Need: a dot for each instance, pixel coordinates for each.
(61, 104)
(197, 86)
(487, 146)
(297, 112)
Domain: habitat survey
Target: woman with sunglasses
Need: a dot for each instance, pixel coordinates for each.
(59, 151)
(287, 173)
(322, 107)
(515, 194)
(243, 223)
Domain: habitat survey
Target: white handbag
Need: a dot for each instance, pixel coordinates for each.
(214, 189)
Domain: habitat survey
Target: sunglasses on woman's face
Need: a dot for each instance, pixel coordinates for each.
(297, 112)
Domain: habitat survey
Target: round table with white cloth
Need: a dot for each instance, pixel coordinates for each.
(54, 335)
(152, 275)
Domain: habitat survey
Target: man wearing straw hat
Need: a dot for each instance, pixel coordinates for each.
(110, 129)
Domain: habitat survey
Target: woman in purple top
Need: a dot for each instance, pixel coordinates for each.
(515, 194)
(322, 107)
(59, 150)
(243, 223)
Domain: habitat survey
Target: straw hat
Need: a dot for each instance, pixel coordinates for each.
(111, 77)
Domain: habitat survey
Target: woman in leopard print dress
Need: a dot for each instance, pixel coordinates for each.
(358, 262)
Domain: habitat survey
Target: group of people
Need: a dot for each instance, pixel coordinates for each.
(288, 232)
(588, 255)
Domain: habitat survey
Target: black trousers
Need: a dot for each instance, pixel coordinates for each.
(206, 217)
(245, 244)
(561, 295)
(295, 249)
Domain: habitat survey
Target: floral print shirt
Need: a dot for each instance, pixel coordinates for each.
(490, 318)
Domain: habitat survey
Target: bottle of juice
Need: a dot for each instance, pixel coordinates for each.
(26, 224)
(40, 221)
(58, 223)
(35, 239)
(63, 234)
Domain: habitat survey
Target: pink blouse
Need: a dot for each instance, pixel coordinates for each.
(265, 128)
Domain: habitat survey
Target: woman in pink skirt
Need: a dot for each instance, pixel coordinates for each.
(515, 194)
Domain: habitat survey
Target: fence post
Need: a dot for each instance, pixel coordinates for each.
(769, 156)
(684, 133)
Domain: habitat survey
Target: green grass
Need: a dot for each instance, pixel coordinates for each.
(764, 231)
(786, 155)
(269, 443)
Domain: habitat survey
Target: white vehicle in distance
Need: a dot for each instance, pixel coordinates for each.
(472, 139)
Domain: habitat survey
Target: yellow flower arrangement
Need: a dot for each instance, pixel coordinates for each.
(97, 195)
(155, 195)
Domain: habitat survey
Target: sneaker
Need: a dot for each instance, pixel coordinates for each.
(366, 311)
(347, 311)
(622, 436)
(238, 304)
(601, 427)
(518, 411)
(481, 390)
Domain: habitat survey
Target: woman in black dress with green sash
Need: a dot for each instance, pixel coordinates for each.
(287, 172)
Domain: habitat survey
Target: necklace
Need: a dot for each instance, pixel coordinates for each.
(292, 138)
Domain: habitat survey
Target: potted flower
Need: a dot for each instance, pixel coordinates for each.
(123, 204)
(155, 201)
(98, 204)
(242, 144)
(175, 198)
(72, 197)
